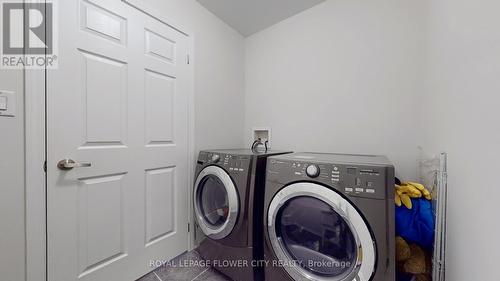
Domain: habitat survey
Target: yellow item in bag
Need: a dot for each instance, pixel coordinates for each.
(422, 189)
(408, 190)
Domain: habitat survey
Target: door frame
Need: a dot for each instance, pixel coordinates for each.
(36, 152)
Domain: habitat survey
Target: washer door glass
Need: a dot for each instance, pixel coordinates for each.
(213, 201)
(316, 236)
(216, 202)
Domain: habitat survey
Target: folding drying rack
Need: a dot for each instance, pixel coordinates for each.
(433, 174)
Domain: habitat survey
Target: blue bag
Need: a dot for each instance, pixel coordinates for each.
(416, 225)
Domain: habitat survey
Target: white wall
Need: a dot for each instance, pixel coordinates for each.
(461, 116)
(12, 206)
(344, 76)
(219, 78)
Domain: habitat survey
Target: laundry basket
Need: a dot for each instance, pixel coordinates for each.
(433, 173)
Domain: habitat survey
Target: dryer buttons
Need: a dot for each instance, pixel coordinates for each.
(358, 181)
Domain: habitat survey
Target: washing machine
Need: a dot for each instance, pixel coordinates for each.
(228, 207)
(329, 217)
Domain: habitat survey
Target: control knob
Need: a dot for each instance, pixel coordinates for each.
(312, 171)
(215, 158)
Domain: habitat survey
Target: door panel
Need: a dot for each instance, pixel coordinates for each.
(160, 103)
(103, 23)
(100, 218)
(160, 205)
(118, 101)
(159, 47)
(104, 94)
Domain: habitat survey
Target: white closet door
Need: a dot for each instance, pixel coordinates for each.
(119, 102)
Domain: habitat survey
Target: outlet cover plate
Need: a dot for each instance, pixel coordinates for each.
(264, 133)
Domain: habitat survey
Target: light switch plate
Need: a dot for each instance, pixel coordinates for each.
(3, 103)
(10, 99)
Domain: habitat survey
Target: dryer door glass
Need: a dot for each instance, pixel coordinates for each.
(316, 236)
(213, 201)
(321, 233)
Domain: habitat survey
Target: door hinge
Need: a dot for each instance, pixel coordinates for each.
(45, 166)
(188, 59)
(189, 227)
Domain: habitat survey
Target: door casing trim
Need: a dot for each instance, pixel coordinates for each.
(35, 180)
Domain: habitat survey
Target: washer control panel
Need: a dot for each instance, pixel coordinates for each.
(352, 180)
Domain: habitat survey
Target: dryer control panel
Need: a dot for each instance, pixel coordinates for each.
(231, 163)
(353, 180)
